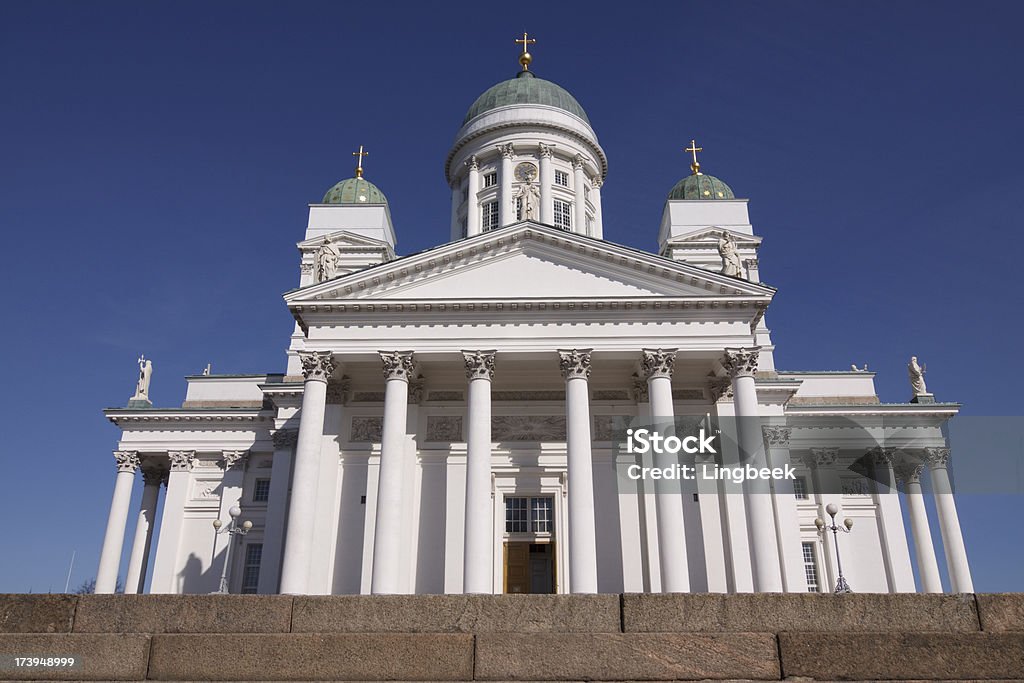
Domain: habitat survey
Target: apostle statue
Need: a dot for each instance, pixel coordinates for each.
(916, 373)
(145, 374)
(326, 262)
(529, 197)
(730, 256)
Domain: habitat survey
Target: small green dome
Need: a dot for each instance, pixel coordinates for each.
(701, 186)
(355, 191)
(525, 89)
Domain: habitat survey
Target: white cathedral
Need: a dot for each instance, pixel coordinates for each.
(447, 419)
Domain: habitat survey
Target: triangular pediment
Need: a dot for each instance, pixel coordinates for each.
(529, 261)
(342, 238)
(712, 235)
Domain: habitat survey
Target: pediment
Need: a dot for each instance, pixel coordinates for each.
(529, 261)
(711, 236)
(342, 239)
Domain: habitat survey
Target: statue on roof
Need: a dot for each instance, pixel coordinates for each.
(325, 262)
(730, 256)
(145, 374)
(916, 373)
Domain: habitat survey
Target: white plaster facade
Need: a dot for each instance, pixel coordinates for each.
(422, 393)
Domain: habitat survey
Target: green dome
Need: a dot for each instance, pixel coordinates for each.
(355, 191)
(701, 186)
(525, 89)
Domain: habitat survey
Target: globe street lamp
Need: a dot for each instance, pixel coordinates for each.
(832, 509)
(232, 529)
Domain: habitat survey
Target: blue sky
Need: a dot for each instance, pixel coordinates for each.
(158, 159)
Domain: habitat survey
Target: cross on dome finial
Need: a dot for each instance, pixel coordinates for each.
(526, 57)
(359, 165)
(695, 166)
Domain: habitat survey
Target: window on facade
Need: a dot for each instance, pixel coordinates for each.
(261, 491)
(811, 568)
(562, 178)
(489, 216)
(490, 179)
(251, 569)
(528, 515)
(563, 214)
(800, 488)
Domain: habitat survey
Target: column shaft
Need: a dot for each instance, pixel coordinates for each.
(949, 522)
(472, 205)
(117, 520)
(317, 367)
(478, 560)
(277, 511)
(582, 524)
(135, 581)
(927, 564)
(595, 197)
(506, 208)
(580, 188)
(547, 211)
(387, 535)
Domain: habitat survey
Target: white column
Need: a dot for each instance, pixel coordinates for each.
(117, 520)
(233, 465)
(472, 205)
(595, 199)
(891, 528)
(579, 185)
(167, 565)
(787, 519)
(317, 367)
(927, 564)
(387, 539)
(949, 522)
(741, 364)
(575, 366)
(657, 365)
(135, 581)
(547, 210)
(478, 558)
(456, 227)
(277, 510)
(506, 209)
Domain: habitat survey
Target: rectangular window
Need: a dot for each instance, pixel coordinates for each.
(528, 515)
(562, 178)
(261, 491)
(800, 488)
(563, 214)
(251, 569)
(489, 216)
(811, 568)
(490, 179)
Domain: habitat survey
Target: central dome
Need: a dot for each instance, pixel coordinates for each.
(525, 89)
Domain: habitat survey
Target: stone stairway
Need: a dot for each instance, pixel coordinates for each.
(516, 637)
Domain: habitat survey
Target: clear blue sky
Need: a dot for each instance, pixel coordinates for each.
(157, 159)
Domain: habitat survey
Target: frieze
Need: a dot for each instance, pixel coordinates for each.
(367, 429)
(528, 428)
(415, 394)
(445, 396)
(444, 428)
(337, 391)
(285, 438)
(610, 427)
(688, 394)
(528, 396)
(367, 396)
(611, 395)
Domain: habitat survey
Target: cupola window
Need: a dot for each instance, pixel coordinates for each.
(563, 214)
(562, 178)
(490, 179)
(489, 216)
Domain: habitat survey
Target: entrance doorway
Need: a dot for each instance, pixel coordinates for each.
(529, 567)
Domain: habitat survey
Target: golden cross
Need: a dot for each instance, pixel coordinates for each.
(359, 165)
(525, 58)
(695, 166)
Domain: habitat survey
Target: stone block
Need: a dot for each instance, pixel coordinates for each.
(183, 614)
(902, 656)
(776, 612)
(312, 656)
(108, 656)
(20, 613)
(457, 613)
(1001, 611)
(626, 656)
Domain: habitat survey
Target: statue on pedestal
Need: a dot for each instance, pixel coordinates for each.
(916, 373)
(730, 256)
(326, 262)
(145, 374)
(529, 196)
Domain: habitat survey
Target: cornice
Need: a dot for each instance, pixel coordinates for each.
(121, 416)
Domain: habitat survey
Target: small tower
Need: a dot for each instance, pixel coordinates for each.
(526, 151)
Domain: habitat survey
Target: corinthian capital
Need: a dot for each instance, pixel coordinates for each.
(658, 363)
(882, 456)
(317, 365)
(127, 461)
(472, 163)
(577, 161)
(479, 364)
(574, 363)
(397, 364)
(597, 183)
(181, 461)
(741, 362)
(506, 150)
(231, 458)
(720, 388)
(936, 457)
(777, 435)
(544, 150)
(908, 472)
